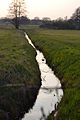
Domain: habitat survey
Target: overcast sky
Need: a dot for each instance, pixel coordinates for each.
(44, 8)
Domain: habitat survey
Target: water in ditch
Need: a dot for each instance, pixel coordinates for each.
(50, 92)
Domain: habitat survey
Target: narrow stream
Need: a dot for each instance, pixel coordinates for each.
(50, 92)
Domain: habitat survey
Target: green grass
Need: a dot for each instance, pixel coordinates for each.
(62, 48)
(17, 66)
(17, 58)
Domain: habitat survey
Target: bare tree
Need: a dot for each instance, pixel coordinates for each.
(76, 15)
(17, 9)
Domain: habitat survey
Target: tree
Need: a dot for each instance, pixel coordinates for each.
(17, 9)
(36, 18)
(46, 19)
(76, 17)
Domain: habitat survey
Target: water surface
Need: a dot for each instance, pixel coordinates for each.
(50, 92)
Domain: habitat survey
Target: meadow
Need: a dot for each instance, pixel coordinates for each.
(62, 48)
(18, 69)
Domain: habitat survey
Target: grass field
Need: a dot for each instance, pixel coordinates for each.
(17, 58)
(19, 67)
(62, 48)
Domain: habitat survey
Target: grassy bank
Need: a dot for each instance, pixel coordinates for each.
(62, 48)
(18, 68)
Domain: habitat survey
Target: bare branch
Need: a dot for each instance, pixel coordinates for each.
(17, 9)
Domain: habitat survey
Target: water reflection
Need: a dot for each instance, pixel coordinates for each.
(50, 92)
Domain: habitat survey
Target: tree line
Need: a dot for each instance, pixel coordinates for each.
(18, 16)
(72, 23)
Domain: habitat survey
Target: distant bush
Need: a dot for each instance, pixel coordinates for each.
(60, 24)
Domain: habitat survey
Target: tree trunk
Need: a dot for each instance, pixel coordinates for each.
(16, 23)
